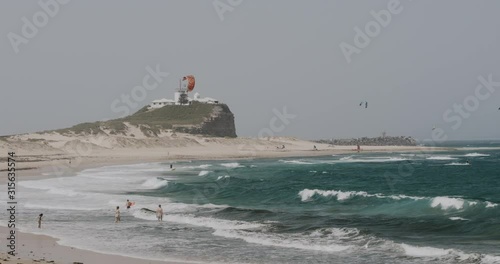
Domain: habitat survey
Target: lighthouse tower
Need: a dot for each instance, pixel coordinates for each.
(186, 84)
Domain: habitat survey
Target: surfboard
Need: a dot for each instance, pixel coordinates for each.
(147, 210)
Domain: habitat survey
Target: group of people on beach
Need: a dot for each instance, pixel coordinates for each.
(128, 204)
(159, 213)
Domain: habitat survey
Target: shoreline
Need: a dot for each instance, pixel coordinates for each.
(32, 247)
(57, 165)
(37, 248)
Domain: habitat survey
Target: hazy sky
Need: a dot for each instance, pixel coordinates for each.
(256, 56)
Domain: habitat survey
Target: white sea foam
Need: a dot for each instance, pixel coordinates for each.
(441, 158)
(490, 259)
(203, 166)
(156, 169)
(416, 251)
(451, 203)
(74, 207)
(64, 192)
(141, 214)
(446, 203)
(223, 177)
(173, 209)
(307, 194)
(442, 202)
(155, 183)
(281, 240)
(475, 154)
(397, 159)
(336, 233)
(40, 184)
(456, 218)
(232, 165)
(457, 164)
(350, 159)
(299, 162)
(217, 224)
(446, 255)
(491, 205)
(203, 173)
(402, 196)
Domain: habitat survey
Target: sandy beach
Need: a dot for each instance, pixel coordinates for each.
(44, 249)
(53, 154)
(66, 156)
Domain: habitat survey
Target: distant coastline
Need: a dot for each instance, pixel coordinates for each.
(373, 141)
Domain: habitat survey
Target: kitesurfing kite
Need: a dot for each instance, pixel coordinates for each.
(363, 102)
(190, 82)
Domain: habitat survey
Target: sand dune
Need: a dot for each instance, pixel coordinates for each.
(66, 153)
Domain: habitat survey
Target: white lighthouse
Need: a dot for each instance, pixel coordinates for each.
(186, 85)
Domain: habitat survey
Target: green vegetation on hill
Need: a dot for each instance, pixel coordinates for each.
(170, 115)
(150, 121)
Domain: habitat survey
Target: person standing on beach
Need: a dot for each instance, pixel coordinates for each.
(159, 213)
(39, 219)
(117, 214)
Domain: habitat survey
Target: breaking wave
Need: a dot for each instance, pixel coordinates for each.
(203, 173)
(300, 162)
(440, 202)
(457, 164)
(155, 183)
(475, 154)
(232, 165)
(440, 158)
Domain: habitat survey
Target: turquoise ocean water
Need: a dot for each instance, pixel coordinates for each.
(441, 207)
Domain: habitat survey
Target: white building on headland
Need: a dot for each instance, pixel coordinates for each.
(206, 100)
(186, 84)
(161, 103)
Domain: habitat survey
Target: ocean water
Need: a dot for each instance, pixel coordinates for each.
(355, 208)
